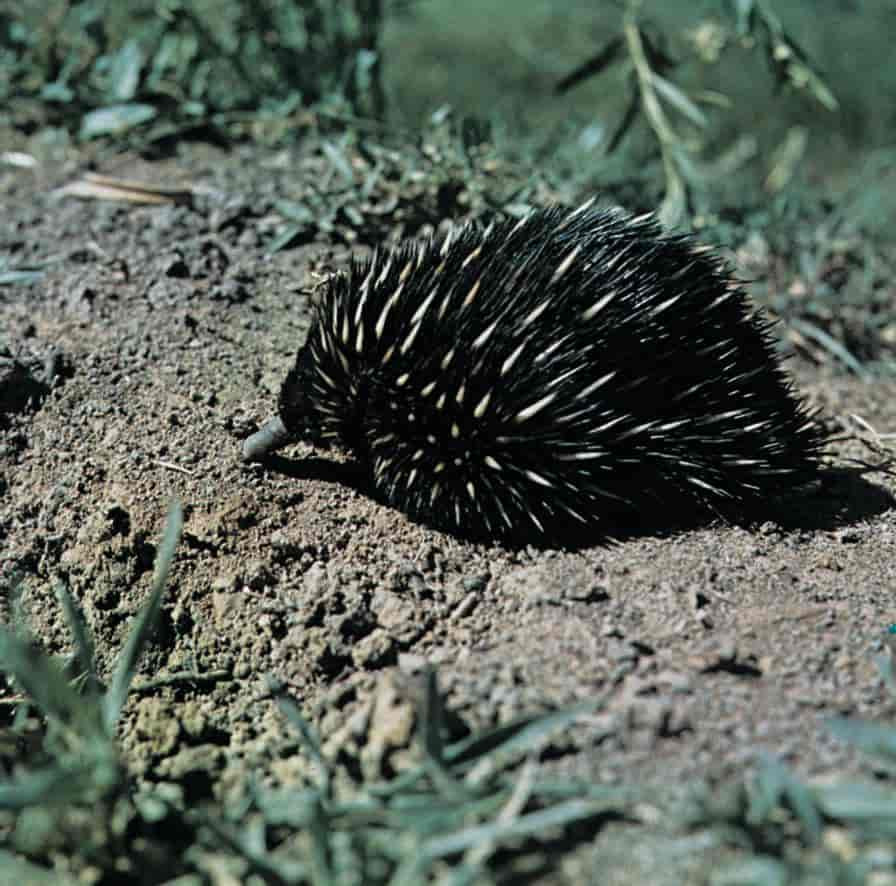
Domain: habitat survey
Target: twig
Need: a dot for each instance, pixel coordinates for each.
(182, 677)
(173, 467)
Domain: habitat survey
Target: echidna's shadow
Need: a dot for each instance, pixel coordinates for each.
(350, 473)
(844, 497)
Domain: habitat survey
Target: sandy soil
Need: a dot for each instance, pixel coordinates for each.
(157, 340)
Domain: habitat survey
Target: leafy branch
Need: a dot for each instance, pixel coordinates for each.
(654, 96)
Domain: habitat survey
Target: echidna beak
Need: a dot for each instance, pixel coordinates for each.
(272, 436)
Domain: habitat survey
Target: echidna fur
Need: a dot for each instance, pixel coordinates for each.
(551, 376)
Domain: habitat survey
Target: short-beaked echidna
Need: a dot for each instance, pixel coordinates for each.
(546, 375)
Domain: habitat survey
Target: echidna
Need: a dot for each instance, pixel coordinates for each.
(552, 374)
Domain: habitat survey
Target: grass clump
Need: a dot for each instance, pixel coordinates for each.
(78, 794)
(465, 813)
(467, 810)
(827, 834)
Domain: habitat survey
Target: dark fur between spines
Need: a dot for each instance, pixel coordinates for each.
(551, 375)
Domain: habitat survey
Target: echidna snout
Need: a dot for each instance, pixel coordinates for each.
(548, 375)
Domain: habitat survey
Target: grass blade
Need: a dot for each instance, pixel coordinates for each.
(18, 870)
(144, 624)
(37, 788)
(290, 710)
(775, 785)
(518, 736)
(432, 719)
(531, 825)
(810, 330)
(41, 678)
(860, 805)
(679, 101)
(84, 648)
(877, 740)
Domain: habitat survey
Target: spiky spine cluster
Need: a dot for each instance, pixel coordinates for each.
(547, 373)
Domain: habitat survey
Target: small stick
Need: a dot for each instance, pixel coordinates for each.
(173, 467)
(271, 437)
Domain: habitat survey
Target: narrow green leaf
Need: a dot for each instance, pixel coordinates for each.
(17, 870)
(41, 678)
(115, 119)
(776, 786)
(758, 871)
(432, 719)
(625, 124)
(810, 330)
(803, 804)
(668, 90)
(884, 664)
(286, 238)
(163, 61)
(857, 802)
(464, 874)
(338, 160)
(320, 830)
(34, 788)
(57, 92)
(290, 710)
(9, 278)
(294, 808)
(594, 65)
(514, 807)
(533, 824)
(124, 72)
(875, 739)
(295, 211)
(744, 10)
(84, 649)
(518, 736)
(271, 868)
(144, 623)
